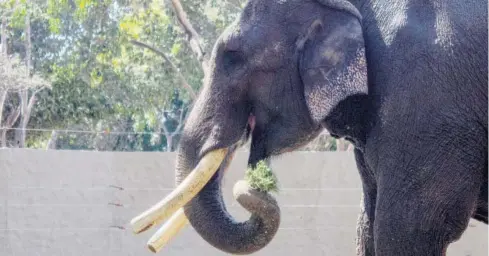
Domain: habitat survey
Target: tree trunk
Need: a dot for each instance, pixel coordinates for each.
(52, 140)
(20, 133)
(9, 122)
(26, 103)
(4, 91)
(169, 143)
(170, 135)
(3, 97)
(4, 137)
(3, 34)
(26, 106)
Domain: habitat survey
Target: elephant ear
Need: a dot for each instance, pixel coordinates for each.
(332, 61)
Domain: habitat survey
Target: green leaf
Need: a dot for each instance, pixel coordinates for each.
(96, 78)
(101, 58)
(18, 16)
(262, 178)
(151, 119)
(132, 28)
(54, 25)
(176, 49)
(82, 4)
(139, 124)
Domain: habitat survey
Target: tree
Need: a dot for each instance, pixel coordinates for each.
(172, 120)
(26, 102)
(194, 41)
(16, 77)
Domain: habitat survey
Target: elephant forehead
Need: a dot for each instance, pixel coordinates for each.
(230, 37)
(268, 52)
(261, 33)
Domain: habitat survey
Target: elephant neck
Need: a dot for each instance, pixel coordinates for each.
(350, 120)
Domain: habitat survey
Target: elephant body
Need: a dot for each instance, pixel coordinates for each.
(424, 163)
(405, 81)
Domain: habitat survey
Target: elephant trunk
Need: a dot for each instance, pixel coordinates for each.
(208, 215)
(217, 124)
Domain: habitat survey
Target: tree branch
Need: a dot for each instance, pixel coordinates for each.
(152, 48)
(194, 37)
(180, 122)
(168, 137)
(165, 130)
(3, 97)
(3, 35)
(12, 118)
(52, 141)
(28, 43)
(185, 84)
(32, 101)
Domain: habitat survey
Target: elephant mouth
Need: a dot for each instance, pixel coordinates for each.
(171, 208)
(247, 135)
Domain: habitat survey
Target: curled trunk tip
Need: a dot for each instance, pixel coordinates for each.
(209, 217)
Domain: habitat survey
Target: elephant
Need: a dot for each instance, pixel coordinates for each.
(404, 81)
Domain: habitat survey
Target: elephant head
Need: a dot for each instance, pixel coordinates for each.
(283, 71)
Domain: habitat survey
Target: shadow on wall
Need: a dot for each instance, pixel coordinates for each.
(80, 203)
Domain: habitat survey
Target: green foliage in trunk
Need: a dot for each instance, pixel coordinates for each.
(262, 178)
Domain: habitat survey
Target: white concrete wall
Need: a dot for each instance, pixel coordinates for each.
(80, 203)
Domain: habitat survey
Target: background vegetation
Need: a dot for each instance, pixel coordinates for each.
(117, 75)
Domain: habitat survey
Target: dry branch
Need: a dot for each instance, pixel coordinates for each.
(185, 84)
(194, 42)
(193, 36)
(3, 34)
(180, 122)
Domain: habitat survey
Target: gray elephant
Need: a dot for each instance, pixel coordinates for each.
(405, 81)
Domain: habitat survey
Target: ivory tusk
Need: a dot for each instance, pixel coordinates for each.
(176, 223)
(184, 192)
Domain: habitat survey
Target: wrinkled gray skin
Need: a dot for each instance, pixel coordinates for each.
(405, 81)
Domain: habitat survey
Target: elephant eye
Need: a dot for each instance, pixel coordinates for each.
(232, 58)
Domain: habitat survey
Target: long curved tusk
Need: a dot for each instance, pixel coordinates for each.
(189, 187)
(176, 223)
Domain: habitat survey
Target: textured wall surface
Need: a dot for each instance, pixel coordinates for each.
(80, 203)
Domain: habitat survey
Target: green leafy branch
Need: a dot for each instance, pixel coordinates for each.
(262, 178)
